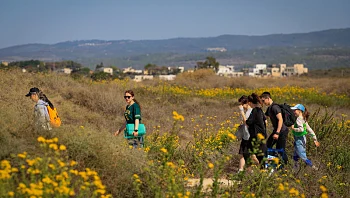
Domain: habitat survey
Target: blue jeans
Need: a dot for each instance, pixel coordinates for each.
(136, 142)
(300, 149)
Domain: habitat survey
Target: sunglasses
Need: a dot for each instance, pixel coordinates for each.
(127, 97)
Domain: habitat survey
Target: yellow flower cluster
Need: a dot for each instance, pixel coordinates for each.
(177, 116)
(49, 176)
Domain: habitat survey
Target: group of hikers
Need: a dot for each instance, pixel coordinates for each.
(253, 126)
(253, 130)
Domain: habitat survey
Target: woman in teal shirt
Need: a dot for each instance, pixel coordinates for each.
(132, 115)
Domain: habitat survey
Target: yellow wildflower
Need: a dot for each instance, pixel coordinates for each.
(72, 163)
(41, 139)
(30, 162)
(281, 187)
(210, 165)
(260, 136)
(23, 156)
(323, 188)
(324, 195)
(53, 146)
(294, 192)
(11, 194)
(275, 160)
(63, 147)
(164, 150)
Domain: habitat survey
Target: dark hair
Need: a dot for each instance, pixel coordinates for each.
(243, 99)
(132, 94)
(254, 98)
(43, 97)
(265, 95)
(306, 115)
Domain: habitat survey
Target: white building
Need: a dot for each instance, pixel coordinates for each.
(182, 69)
(139, 78)
(167, 77)
(65, 70)
(132, 70)
(106, 70)
(225, 70)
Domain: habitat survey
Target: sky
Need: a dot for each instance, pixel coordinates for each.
(53, 21)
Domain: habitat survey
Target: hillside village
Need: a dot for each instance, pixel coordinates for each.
(169, 73)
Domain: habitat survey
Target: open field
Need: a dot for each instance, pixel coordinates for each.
(201, 146)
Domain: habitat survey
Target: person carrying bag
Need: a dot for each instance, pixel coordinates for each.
(134, 130)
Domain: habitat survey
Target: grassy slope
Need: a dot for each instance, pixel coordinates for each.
(91, 112)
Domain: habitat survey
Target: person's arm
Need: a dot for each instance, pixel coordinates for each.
(137, 118)
(279, 126)
(280, 123)
(241, 111)
(137, 121)
(120, 129)
(312, 134)
(299, 124)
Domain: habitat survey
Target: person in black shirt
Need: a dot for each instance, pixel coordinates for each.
(280, 131)
(257, 129)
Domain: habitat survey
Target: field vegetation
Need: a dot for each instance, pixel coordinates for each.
(190, 134)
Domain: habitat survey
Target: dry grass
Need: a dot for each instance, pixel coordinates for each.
(91, 112)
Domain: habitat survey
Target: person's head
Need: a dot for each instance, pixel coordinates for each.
(266, 98)
(34, 94)
(130, 98)
(299, 110)
(243, 100)
(254, 100)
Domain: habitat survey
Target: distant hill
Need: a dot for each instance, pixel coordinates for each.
(186, 51)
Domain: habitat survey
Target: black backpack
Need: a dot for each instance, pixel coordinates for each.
(287, 114)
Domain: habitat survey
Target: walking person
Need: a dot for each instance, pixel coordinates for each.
(300, 129)
(257, 129)
(132, 115)
(280, 130)
(41, 115)
(245, 111)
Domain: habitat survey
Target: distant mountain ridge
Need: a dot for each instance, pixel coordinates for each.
(94, 51)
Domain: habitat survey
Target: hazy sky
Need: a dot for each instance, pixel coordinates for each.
(52, 21)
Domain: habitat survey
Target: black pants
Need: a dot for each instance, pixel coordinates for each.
(280, 143)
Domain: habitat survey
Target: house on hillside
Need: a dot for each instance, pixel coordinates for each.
(225, 70)
(295, 70)
(108, 70)
(258, 71)
(167, 77)
(65, 70)
(158, 70)
(130, 70)
(139, 78)
(280, 70)
(4, 63)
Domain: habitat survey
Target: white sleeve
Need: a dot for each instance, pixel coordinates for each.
(311, 132)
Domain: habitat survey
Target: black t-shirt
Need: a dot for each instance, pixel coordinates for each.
(256, 123)
(272, 112)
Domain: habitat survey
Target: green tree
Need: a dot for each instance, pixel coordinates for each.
(210, 62)
(98, 76)
(150, 66)
(98, 66)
